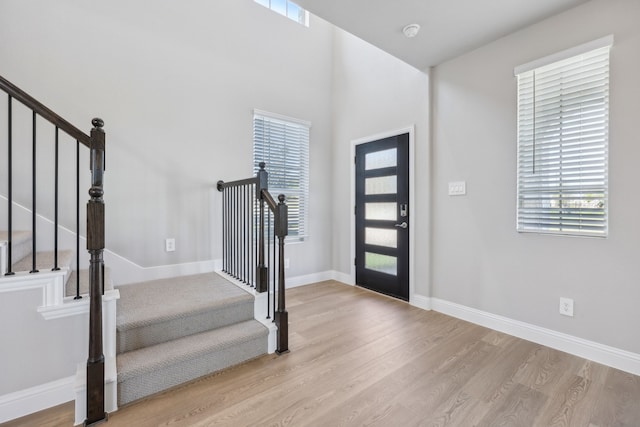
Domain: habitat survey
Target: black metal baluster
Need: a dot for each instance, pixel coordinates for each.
(10, 187)
(232, 229)
(33, 197)
(77, 220)
(55, 209)
(268, 226)
(228, 241)
(224, 231)
(239, 221)
(247, 240)
(229, 229)
(235, 228)
(273, 265)
(252, 268)
(243, 241)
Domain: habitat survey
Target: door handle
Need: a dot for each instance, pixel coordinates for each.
(403, 225)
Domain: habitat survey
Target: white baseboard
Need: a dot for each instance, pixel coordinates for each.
(124, 271)
(24, 402)
(307, 279)
(342, 277)
(604, 354)
(420, 301)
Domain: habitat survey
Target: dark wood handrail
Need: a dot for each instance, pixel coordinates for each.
(270, 202)
(43, 111)
(220, 185)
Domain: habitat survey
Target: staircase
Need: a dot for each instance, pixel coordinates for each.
(172, 331)
(147, 337)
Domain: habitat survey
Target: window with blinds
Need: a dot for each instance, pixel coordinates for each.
(563, 117)
(283, 144)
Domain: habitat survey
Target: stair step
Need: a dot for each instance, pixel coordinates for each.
(158, 311)
(20, 244)
(44, 261)
(156, 368)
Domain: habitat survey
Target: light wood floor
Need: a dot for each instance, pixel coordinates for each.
(358, 358)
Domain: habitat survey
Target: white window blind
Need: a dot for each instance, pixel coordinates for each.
(283, 145)
(563, 118)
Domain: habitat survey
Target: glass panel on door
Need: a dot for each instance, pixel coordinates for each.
(382, 263)
(381, 185)
(381, 237)
(381, 159)
(380, 211)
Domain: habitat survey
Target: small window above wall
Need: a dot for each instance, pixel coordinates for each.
(563, 140)
(287, 8)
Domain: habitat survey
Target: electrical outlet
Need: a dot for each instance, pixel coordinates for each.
(286, 263)
(457, 188)
(566, 307)
(170, 245)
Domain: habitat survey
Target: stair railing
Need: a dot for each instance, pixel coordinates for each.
(95, 142)
(250, 235)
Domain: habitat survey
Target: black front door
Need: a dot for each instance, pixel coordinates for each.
(382, 216)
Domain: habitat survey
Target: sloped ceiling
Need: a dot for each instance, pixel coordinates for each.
(448, 27)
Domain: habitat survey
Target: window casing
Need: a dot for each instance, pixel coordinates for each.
(563, 132)
(282, 143)
(287, 8)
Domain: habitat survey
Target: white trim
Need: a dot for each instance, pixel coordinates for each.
(124, 271)
(281, 117)
(73, 307)
(604, 354)
(420, 301)
(412, 200)
(565, 54)
(342, 277)
(24, 402)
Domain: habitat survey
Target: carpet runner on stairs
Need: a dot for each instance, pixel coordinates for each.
(21, 246)
(172, 331)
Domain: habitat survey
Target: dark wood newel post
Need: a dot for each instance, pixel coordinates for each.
(281, 315)
(95, 246)
(262, 273)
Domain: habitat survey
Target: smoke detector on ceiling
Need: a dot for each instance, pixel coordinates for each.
(411, 30)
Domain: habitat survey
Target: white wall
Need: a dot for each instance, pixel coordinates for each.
(479, 260)
(36, 351)
(175, 83)
(376, 93)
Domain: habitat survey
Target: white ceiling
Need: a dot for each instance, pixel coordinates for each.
(448, 27)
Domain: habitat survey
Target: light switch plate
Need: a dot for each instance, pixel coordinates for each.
(458, 188)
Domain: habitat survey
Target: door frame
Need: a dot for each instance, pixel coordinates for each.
(410, 130)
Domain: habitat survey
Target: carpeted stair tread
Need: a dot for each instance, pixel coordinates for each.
(17, 236)
(44, 261)
(70, 287)
(20, 244)
(152, 369)
(157, 311)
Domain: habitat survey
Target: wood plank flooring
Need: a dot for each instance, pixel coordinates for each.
(361, 359)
